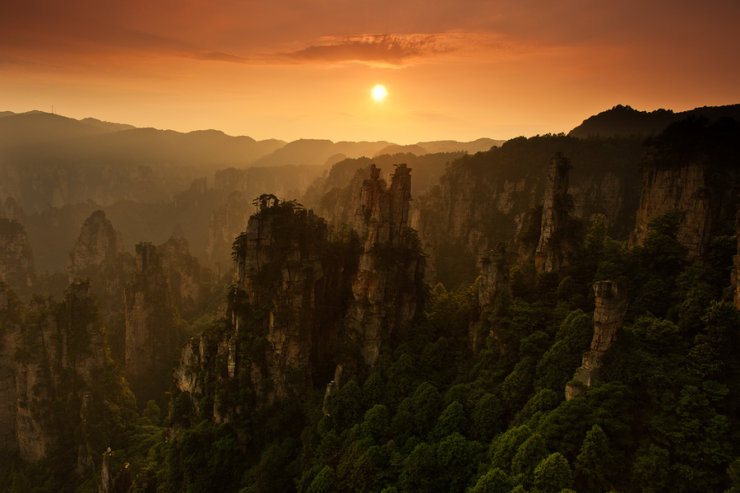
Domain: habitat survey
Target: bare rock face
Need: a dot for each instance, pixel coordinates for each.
(339, 201)
(98, 244)
(10, 328)
(391, 265)
(281, 250)
(691, 168)
(304, 304)
(54, 369)
(225, 224)
(152, 334)
(491, 198)
(167, 283)
(682, 188)
(494, 275)
(186, 280)
(16, 259)
(98, 258)
(549, 254)
(609, 311)
(291, 289)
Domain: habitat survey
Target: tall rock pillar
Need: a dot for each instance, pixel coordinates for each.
(151, 333)
(549, 254)
(494, 275)
(609, 312)
(384, 288)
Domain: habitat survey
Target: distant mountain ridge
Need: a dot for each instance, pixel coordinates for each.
(90, 138)
(624, 121)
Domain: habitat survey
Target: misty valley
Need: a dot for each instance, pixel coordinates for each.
(196, 312)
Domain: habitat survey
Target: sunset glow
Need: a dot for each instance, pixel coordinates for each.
(379, 93)
(291, 70)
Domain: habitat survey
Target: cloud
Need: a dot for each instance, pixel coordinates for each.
(374, 49)
(219, 56)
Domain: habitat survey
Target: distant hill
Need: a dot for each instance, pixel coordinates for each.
(626, 121)
(35, 134)
(210, 148)
(478, 145)
(37, 127)
(318, 152)
(400, 149)
(437, 146)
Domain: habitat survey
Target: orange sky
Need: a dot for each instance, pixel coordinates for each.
(454, 69)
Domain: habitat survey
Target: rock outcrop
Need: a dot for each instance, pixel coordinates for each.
(386, 286)
(494, 275)
(496, 196)
(167, 286)
(186, 281)
(112, 481)
(225, 224)
(609, 311)
(549, 254)
(682, 188)
(304, 304)
(280, 271)
(16, 259)
(288, 301)
(56, 376)
(152, 333)
(98, 258)
(97, 247)
(691, 168)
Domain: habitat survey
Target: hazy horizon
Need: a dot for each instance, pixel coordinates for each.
(300, 70)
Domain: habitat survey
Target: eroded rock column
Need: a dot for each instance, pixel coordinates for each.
(549, 254)
(494, 275)
(609, 311)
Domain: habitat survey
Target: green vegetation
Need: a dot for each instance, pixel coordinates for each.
(434, 416)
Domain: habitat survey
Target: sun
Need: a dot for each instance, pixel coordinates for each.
(379, 93)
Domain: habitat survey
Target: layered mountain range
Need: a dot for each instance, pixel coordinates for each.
(364, 316)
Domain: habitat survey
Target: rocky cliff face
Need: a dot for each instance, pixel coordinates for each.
(386, 286)
(609, 311)
(56, 379)
(339, 204)
(304, 303)
(280, 272)
(494, 275)
(97, 258)
(225, 224)
(152, 333)
(10, 327)
(167, 286)
(681, 188)
(291, 290)
(495, 197)
(549, 254)
(97, 247)
(16, 259)
(691, 168)
(187, 281)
